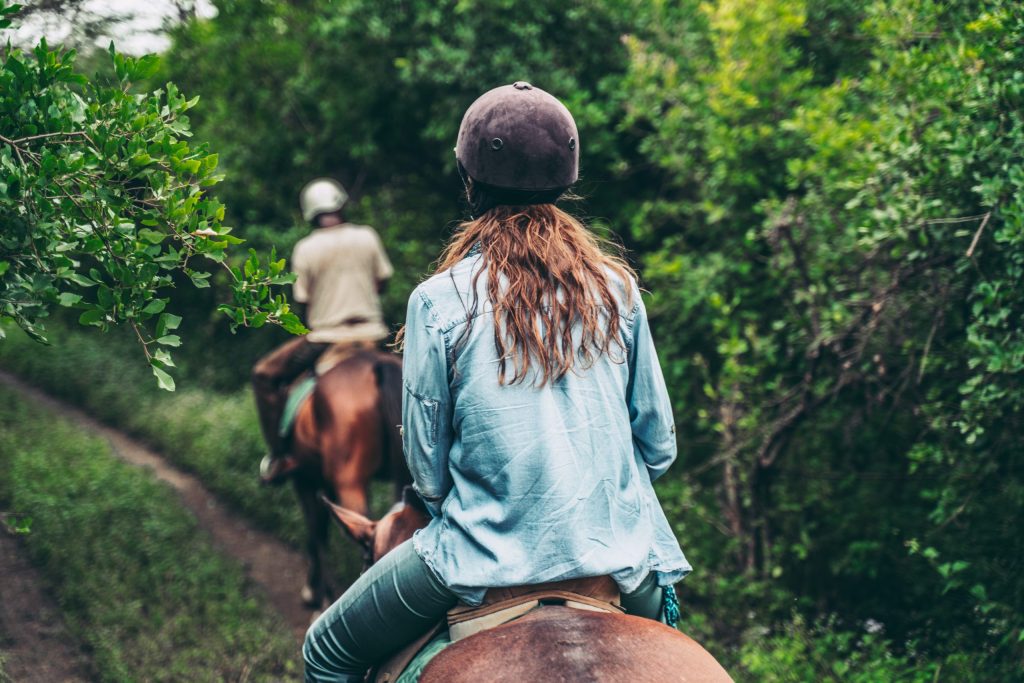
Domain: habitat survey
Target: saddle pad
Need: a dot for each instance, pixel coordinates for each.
(299, 393)
(412, 672)
(339, 353)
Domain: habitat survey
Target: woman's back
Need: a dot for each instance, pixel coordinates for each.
(542, 477)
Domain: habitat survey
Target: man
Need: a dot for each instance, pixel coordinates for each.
(341, 271)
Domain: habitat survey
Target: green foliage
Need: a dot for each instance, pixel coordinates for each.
(825, 201)
(136, 581)
(820, 652)
(372, 93)
(835, 264)
(103, 199)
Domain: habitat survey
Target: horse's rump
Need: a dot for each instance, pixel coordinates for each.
(363, 391)
(561, 643)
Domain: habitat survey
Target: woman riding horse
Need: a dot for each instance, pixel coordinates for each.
(535, 412)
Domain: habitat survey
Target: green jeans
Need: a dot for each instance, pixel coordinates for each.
(393, 603)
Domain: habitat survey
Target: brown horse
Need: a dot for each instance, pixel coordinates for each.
(550, 643)
(345, 434)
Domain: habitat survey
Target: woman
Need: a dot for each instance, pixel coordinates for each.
(535, 413)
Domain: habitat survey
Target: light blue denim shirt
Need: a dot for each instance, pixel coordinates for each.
(532, 484)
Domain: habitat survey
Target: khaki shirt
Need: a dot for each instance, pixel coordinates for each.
(338, 271)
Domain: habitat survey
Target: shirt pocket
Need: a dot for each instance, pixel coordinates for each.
(420, 429)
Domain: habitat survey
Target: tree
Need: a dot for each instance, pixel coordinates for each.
(836, 257)
(103, 198)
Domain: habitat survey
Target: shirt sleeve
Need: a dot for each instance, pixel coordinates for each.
(382, 268)
(426, 404)
(303, 283)
(650, 410)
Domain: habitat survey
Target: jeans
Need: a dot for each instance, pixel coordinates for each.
(393, 603)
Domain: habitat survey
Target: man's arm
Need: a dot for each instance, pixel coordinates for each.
(382, 268)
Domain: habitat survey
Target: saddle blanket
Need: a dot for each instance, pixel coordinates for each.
(299, 393)
(412, 672)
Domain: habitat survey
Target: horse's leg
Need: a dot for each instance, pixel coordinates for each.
(315, 592)
(351, 484)
(321, 527)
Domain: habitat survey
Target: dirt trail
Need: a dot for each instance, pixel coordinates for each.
(34, 642)
(277, 570)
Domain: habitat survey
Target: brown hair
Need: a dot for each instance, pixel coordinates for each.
(545, 272)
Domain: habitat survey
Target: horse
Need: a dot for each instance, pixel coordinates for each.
(548, 643)
(345, 434)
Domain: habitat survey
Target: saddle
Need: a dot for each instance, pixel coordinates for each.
(500, 606)
(341, 351)
(302, 387)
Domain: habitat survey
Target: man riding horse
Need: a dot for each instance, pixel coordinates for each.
(535, 414)
(341, 269)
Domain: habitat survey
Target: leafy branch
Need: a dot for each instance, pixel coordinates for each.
(104, 199)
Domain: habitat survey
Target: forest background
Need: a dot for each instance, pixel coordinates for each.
(825, 201)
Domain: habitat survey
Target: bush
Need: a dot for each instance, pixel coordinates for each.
(798, 652)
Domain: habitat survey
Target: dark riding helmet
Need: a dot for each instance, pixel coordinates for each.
(518, 145)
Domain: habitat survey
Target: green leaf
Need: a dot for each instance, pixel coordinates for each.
(162, 359)
(291, 323)
(79, 279)
(145, 67)
(169, 340)
(152, 236)
(68, 299)
(166, 323)
(163, 379)
(199, 280)
(155, 306)
(91, 317)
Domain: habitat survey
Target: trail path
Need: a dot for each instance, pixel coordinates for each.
(34, 642)
(277, 570)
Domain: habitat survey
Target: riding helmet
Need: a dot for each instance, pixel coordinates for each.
(518, 137)
(323, 195)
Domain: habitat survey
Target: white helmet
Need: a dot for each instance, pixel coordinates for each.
(323, 195)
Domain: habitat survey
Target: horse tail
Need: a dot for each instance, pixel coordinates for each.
(388, 371)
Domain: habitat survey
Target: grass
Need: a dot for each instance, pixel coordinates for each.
(136, 580)
(213, 435)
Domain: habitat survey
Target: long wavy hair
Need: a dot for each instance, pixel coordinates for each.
(549, 278)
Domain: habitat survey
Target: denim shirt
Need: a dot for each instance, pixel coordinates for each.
(529, 484)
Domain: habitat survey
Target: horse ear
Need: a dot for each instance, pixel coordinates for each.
(359, 528)
(413, 500)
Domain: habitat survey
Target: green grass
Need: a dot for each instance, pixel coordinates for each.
(213, 435)
(136, 580)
